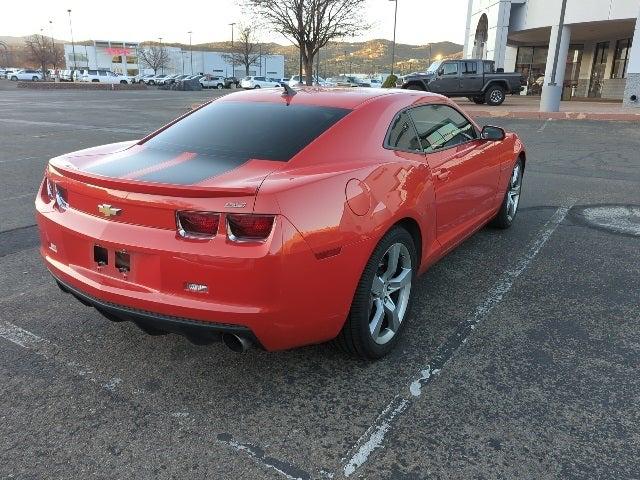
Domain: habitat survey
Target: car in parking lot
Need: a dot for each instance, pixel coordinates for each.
(258, 82)
(25, 74)
(210, 81)
(155, 79)
(294, 81)
(141, 78)
(347, 81)
(210, 233)
(103, 76)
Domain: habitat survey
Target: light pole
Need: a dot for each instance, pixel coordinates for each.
(190, 51)
(161, 66)
(233, 58)
(393, 48)
(73, 47)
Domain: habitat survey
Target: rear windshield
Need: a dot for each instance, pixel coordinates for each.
(248, 130)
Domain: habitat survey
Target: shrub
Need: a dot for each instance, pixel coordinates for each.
(390, 82)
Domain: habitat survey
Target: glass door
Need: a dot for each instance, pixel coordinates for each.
(598, 69)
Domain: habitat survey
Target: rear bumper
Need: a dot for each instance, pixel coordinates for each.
(277, 293)
(198, 332)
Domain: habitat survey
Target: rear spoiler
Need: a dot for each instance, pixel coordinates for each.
(189, 191)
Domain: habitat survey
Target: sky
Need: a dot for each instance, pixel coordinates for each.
(140, 20)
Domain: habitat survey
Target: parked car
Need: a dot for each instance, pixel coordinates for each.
(155, 79)
(477, 80)
(294, 81)
(231, 82)
(375, 83)
(237, 238)
(168, 80)
(257, 82)
(3, 73)
(282, 81)
(25, 74)
(209, 81)
(141, 78)
(103, 76)
(348, 81)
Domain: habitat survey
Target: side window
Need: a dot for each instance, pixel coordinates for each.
(469, 68)
(450, 68)
(402, 134)
(489, 67)
(441, 126)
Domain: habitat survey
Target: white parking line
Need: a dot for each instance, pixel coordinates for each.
(40, 346)
(544, 125)
(373, 438)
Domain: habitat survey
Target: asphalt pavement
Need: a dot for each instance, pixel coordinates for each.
(520, 359)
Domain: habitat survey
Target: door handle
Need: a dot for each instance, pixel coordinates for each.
(442, 174)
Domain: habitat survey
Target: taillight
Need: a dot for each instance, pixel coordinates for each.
(57, 195)
(197, 224)
(247, 228)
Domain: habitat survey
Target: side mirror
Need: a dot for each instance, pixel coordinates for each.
(493, 134)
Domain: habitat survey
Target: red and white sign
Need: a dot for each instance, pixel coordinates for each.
(118, 51)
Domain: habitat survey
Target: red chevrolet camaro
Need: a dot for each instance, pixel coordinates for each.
(277, 218)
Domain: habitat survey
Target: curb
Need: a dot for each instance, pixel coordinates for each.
(611, 117)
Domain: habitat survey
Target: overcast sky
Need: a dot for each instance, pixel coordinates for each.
(139, 20)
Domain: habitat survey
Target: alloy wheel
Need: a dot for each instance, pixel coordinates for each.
(513, 194)
(390, 293)
(496, 96)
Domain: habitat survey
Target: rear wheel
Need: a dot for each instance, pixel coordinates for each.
(495, 96)
(507, 214)
(382, 298)
(34, 79)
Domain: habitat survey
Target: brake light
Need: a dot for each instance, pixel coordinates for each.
(242, 228)
(197, 224)
(56, 194)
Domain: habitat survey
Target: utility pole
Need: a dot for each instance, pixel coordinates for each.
(73, 48)
(393, 48)
(233, 58)
(162, 66)
(190, 51)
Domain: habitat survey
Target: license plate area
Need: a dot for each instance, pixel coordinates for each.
(123, 261)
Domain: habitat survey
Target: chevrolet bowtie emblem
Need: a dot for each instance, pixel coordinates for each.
(108, 211)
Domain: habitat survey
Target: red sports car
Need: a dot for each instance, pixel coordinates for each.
(277, 218)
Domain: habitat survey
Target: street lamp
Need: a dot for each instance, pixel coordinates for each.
(162, 66)
(73, 47)
(393, 48)
(233, 57)
(190, 51)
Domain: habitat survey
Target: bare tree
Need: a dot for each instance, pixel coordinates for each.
(245, 51)
(311, 24)
(41, 51)
(154, 56)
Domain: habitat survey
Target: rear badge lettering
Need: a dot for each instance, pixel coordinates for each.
(235, 204)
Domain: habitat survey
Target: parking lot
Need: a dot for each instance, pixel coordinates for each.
(520, 360)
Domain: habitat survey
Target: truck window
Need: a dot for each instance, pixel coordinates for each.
(489, 67)
(450, 68)
(469, 68)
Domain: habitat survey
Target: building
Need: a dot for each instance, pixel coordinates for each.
(122, 57)
(598, 57)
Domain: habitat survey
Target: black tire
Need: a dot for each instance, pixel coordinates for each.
(505, 218)
(123, 82)
(257, 86)
(95, 81)
(34, 79)
(355, 338)
(219, 86)
(14, 79)
(495, 95)
(478, 100)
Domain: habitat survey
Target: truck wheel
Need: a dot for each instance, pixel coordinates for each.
(479, 100)
(495, 96)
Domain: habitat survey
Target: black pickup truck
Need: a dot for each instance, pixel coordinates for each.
(477, 80)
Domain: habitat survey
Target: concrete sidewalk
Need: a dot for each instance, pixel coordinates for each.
(518, 106)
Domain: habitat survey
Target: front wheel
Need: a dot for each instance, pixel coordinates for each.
(507, 214)
(495, 96)
(219, 86)
(14, 79)
(35, 79)
(382, 298)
